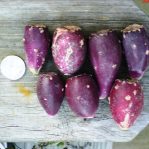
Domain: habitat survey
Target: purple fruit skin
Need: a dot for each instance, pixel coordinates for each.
(36, 44)
(50, 92)
(136, 47)
(82, 95)
(105, 54)
(68, 49)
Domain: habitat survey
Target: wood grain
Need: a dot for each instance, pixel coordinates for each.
(141, 141)
(21, 117)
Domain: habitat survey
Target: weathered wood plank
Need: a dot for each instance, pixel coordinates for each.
(21, 117)
(141, 141)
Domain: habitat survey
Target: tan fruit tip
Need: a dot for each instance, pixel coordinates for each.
(123, 128)
(34, 71)
(40, 25)
(132, 28)
(126, 123)
(104, 32)
(72, 28)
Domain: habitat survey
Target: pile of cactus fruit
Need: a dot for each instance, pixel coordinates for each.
(83, 91)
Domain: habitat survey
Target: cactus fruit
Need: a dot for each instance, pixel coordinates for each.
(36, 44)
(68, 49)
(136, 47)
(105, 54)
(50, 92)
(126, 102)
(82, 95)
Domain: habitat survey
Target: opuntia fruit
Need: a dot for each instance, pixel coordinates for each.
(50, 92)
(36, 44)
(68, 49)
(136, 47)
(82, 95)
(126, 102)
(105, 54)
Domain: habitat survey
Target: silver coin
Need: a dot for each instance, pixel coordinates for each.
(12, 67)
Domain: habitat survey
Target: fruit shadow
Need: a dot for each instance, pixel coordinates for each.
(123, 72)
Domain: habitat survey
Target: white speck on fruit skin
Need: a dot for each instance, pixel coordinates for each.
(81, 43)
(128, 98)
(147, 52)
(45, 99)
(41, 30)
(43, 59)
(95, 68)
(69, 52)
(123, 82)
(100, 53)
(62, 89)
(31, 28)
(51, 78)
(134, 46)
(78, 97)
(114, 66)
(116, 87)
(23, 39)
(130, 105)
(88, 86)
(36, 50)
(135, 92)
(66, 85)
(63, 41)
(125, 124)
(124, 36)
(109, 99)
(145, 43)
(61, 67)
(135, 84)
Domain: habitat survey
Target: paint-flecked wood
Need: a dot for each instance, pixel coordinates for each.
(21, 117)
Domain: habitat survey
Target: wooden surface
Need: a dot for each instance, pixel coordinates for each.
(21, 116)
(140, 142)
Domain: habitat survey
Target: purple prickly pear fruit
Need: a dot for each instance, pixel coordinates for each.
(126, 102)
(136, 47)
(82, 95)
(36, 44)
(105, 54)
(50, 92)
(68, 49)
